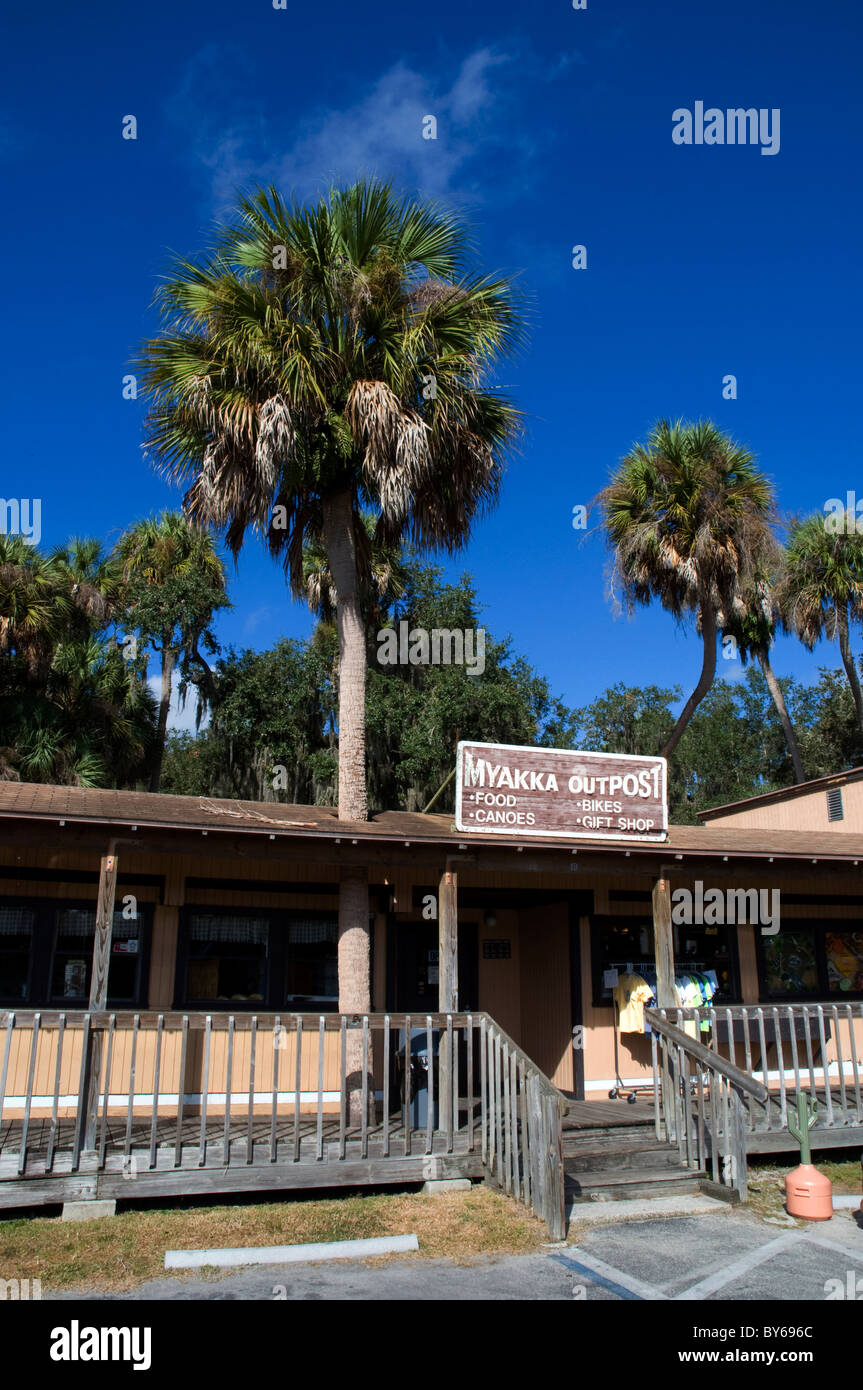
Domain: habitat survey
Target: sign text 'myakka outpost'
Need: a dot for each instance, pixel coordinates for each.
(553, 792)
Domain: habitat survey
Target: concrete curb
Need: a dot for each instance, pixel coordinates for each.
(643, 1209)
(291, 1254)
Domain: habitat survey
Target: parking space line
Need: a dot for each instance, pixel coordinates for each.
(737, 1268)
(625, 1286)
(817, 1238)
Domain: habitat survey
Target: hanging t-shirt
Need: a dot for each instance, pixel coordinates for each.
(683, 994)
(631, 993)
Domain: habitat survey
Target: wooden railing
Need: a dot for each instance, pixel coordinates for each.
(522, 1129)
(107, 1091)
(701, 1101)
(817, 1048)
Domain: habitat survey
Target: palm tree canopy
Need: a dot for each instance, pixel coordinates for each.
(688, 515)
(823, 569)
(36, 602)
(340, 347)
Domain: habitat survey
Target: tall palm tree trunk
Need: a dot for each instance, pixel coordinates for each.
(354, 938)
(705, 680)
(782, 710)
(168, 664)
(341, 554)
(848, 661)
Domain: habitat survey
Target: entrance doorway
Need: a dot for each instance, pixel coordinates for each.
(415, 968)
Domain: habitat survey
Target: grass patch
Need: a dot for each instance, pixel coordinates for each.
(116, 1253)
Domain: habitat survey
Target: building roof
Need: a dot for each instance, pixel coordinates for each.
(36, 802)
(835, 779)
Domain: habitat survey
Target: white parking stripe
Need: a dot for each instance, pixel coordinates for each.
(827, 1243)
(616, 1276)
(737, 1268)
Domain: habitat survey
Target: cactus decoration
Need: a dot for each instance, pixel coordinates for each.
(800, 1124)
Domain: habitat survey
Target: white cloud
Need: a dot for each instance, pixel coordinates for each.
(378, 131)
(181, 718)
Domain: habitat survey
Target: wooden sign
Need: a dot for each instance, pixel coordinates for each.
(554, 793)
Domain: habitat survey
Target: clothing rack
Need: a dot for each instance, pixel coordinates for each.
(620, 1090)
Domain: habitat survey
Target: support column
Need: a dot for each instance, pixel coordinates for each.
(663, 947)
(448, 941)
(447, 989)
(354, 992)
(663, 944)
(88, 1117)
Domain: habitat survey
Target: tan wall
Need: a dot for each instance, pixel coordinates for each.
(805, 811)
(546, 991)
(500, 991)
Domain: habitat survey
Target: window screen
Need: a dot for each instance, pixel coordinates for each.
(312, 969)
(73, 956)
(16, 937)
(227, 957)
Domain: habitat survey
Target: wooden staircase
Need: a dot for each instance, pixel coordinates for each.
(607, 1162)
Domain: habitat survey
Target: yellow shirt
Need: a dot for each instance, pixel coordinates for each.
(631, 993)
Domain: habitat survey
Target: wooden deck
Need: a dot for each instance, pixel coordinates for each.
(145, 1164)
(607, 1114)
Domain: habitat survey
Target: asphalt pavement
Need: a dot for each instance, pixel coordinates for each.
(707, 1258)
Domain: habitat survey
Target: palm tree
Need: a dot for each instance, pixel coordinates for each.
(688, 518)
(36, 603)
(320, 362)
(752, 622)
(66, 709)
(822, 590)
(173, 581)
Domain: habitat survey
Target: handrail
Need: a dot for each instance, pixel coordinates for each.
(707, 1056)
(520, 1052)
(248, 1063)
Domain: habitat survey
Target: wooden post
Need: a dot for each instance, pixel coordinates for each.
(89, 1102)
(663, 945)
(737, 1143)
(447, 986)
(448, 942)
(663, 948)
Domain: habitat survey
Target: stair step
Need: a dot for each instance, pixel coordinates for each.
(603, 1186)
(617, 1160)
(618, 1131)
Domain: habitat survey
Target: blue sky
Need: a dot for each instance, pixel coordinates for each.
(554, 129)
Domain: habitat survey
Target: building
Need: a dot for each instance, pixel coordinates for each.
(230, 909)
(826, 803)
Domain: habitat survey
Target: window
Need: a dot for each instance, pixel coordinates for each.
(16, 941)
(625, 944)
(227, 957)
(312, 974)
(812, 960)
(790, 963)
(72, 963)
(835, 810)
(271, 960)
(46, 954)
(844, 958)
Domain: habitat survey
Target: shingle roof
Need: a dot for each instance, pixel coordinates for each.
(35, 801)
